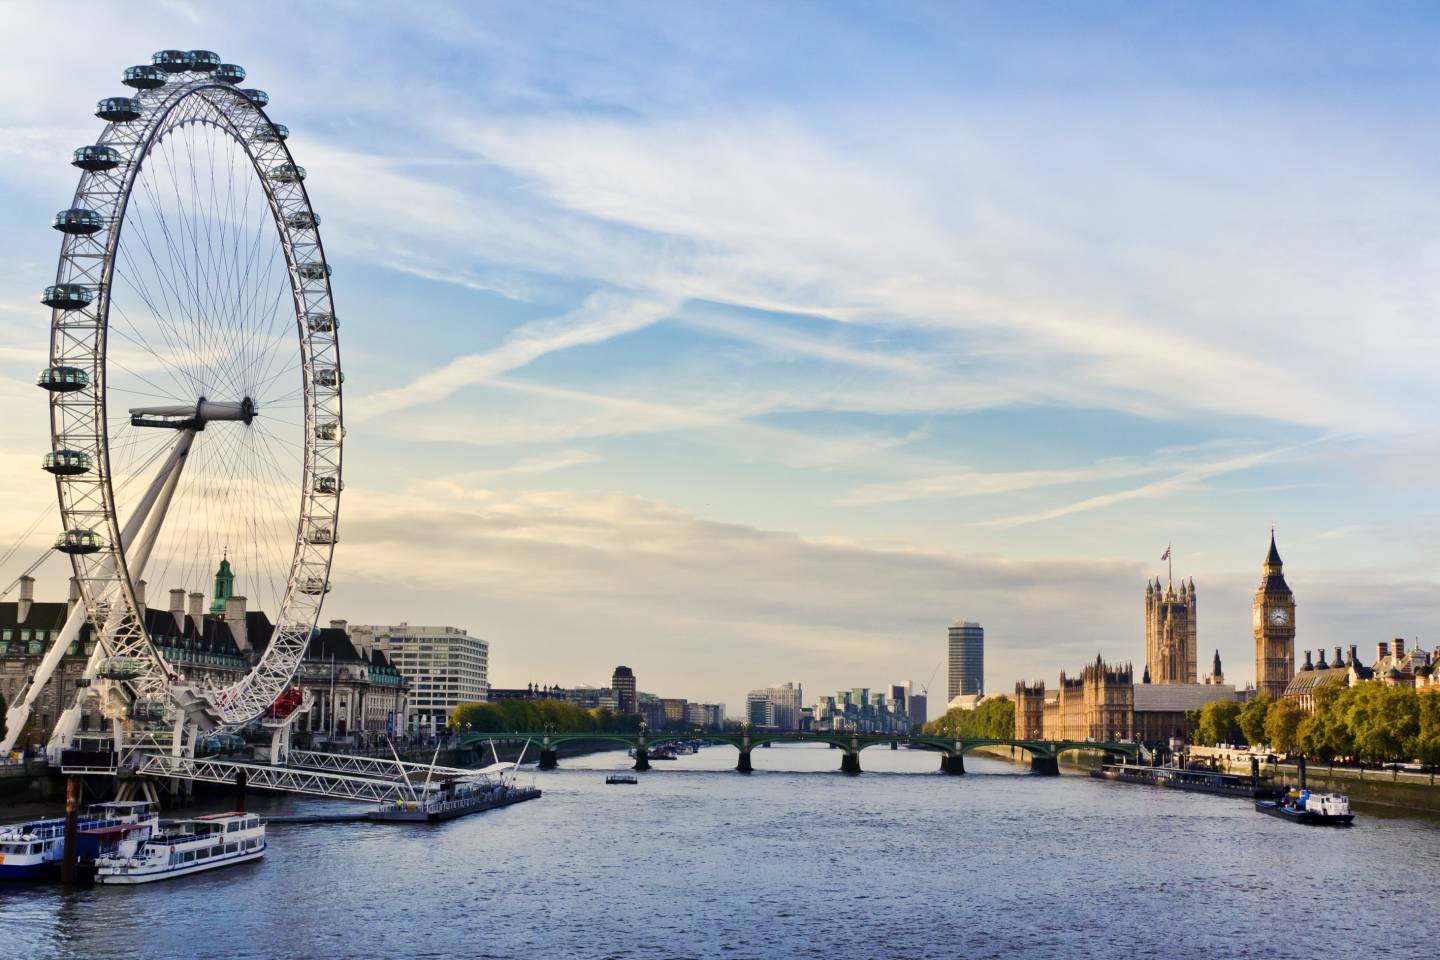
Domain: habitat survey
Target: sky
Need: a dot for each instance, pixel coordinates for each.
(747, 343)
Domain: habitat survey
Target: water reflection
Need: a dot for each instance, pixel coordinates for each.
(795, 859)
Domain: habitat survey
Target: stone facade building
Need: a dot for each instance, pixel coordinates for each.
(355, 689)
(1099, 704)
(1170, 633)
(1274, 619)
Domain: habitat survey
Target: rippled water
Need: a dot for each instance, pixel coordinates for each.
(795, 860)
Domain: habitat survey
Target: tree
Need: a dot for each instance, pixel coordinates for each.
(994, 718)
(1219, 722)
(1252, 719)
(1324, 733)
(1384, 721)
(1427, 747)
(1282, 725)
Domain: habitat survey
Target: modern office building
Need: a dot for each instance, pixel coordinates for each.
(967, 659)
(445, 667)
(622, 681)
(774, 708)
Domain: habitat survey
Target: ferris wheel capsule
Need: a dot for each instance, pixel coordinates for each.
(258, 97)
(78, 221)
(119, 109)
(287, 173)
(61, 379)
(66, 463)
(231, 73)
(313, 270)
(270, 132)
(145, 77)
(173, 61)
(78, 542)
(204, 61)
(322, 323)
(95, 158)
(68, 296)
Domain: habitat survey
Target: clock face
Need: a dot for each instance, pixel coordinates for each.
(1279, 616)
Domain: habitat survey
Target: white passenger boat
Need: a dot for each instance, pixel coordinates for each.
(34, 850)
(188, 846)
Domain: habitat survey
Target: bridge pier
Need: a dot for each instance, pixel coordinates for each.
(850, 763)
(743, 766)
(549, 758)
(240, 780)
(642, 759)
(952, 764)
(1048, 766)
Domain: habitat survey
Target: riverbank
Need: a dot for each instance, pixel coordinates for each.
(1390, 789)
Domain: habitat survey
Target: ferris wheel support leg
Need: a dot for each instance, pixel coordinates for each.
(160, 492)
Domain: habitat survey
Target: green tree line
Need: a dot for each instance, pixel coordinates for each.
(1367, 721)
(993, 718)
(507, 716)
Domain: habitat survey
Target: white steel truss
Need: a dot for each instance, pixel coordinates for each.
(369, 766)
(318, 783)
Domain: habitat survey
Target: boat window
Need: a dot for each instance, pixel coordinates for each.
(189, 857)
(232, 848)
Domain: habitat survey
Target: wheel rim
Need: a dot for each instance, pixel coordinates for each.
(208, 288)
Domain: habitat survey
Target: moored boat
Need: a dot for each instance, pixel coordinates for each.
(451, 798)
(626, 778)
(1192, 781)
(1313, 809)
(188, 846)
(34, 850)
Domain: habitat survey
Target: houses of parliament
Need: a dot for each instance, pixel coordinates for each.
(1105, 703)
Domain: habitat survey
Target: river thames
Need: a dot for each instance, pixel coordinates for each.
(795, 860)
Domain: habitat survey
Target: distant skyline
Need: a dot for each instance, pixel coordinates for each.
(758, 342)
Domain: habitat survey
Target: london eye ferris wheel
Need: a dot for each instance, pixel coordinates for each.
(194, 378)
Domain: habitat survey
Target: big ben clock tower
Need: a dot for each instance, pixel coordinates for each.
(1274, 627)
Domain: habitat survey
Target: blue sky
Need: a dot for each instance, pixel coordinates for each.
(758, 342)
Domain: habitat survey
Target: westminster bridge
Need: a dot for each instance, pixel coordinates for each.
(1044, 754)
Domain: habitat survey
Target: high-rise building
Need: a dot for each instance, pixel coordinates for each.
(1274, 627)
(967, 659)
(444, 665)
(622, 681)
(774, 708)
(1170, 634)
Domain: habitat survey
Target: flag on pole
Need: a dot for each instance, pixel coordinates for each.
(1166, 554)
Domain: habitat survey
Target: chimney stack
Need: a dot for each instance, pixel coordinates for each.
(1399, 647)
(1354, 654)
(177, 608)
(1322, 665)
(1339, 658)
(197, 607)
(1382, 650)
(235, 619)
(140, 597)
(1308, 664)
(340, 625)
(27, 598)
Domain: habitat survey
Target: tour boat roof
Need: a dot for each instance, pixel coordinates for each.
(221, 816)
(114, 830)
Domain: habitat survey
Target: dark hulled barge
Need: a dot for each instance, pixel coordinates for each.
(1190, 781)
